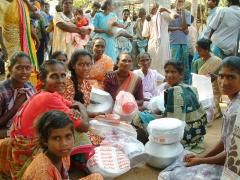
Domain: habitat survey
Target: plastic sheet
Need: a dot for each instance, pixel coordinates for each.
(103, 129)
(133, 148)
(178, 171)
(109, 161)
(205, 91)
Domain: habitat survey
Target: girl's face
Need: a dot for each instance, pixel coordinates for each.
(83, 66)
(61, 141)
(202, 52)
(56, 78)
(229, 81)
(21, 71)
(172, 76)
(125, 63)
(62, 59)
(144, 62)
(67, 6)
(99, 47)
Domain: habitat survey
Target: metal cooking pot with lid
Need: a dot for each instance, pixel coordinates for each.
(161, 156)
(166, 130)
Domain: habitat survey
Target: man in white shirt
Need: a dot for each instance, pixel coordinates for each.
(224, 30)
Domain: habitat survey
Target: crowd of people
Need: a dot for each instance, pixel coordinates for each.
(146, 55)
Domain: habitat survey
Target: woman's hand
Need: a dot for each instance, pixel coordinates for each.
(194, 161)
(188, 156)
(82, 109)
(110, 33)
(84, 31)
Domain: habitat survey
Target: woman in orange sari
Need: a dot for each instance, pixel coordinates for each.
(78, 88)
(102, 63)
(124, 80)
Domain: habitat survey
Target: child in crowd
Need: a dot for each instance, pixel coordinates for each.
(79, 41)
(80, 20)
(56, 137)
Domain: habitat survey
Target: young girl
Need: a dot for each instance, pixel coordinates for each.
(56, 137)
(15, 90)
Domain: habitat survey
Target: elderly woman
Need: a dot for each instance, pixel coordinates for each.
(102, 63)
(149, 77)
(62, 26)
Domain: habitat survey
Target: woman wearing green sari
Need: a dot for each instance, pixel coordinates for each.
(208, 64)
(181, 102)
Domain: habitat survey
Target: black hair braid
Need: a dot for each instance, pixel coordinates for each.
(78, 96)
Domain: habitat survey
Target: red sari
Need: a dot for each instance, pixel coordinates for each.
(132, 84)
(16, 152)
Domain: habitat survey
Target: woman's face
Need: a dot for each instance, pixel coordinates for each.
(21, 71)
(82, 67)
(62, 58)
(144, 62)
(125, 63)
(202, 52)
(67, 6)
(99, 47)
(172, 76)
(56, 78)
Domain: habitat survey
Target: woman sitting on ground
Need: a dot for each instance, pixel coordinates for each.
(209, 64)
(123, 79)
(17, 152)
(56, 144)
(78, 88)
(181, 102)
(149, 77)
(15, 90)
(102, 63)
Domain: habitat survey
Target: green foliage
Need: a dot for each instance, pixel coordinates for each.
(82, 3)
